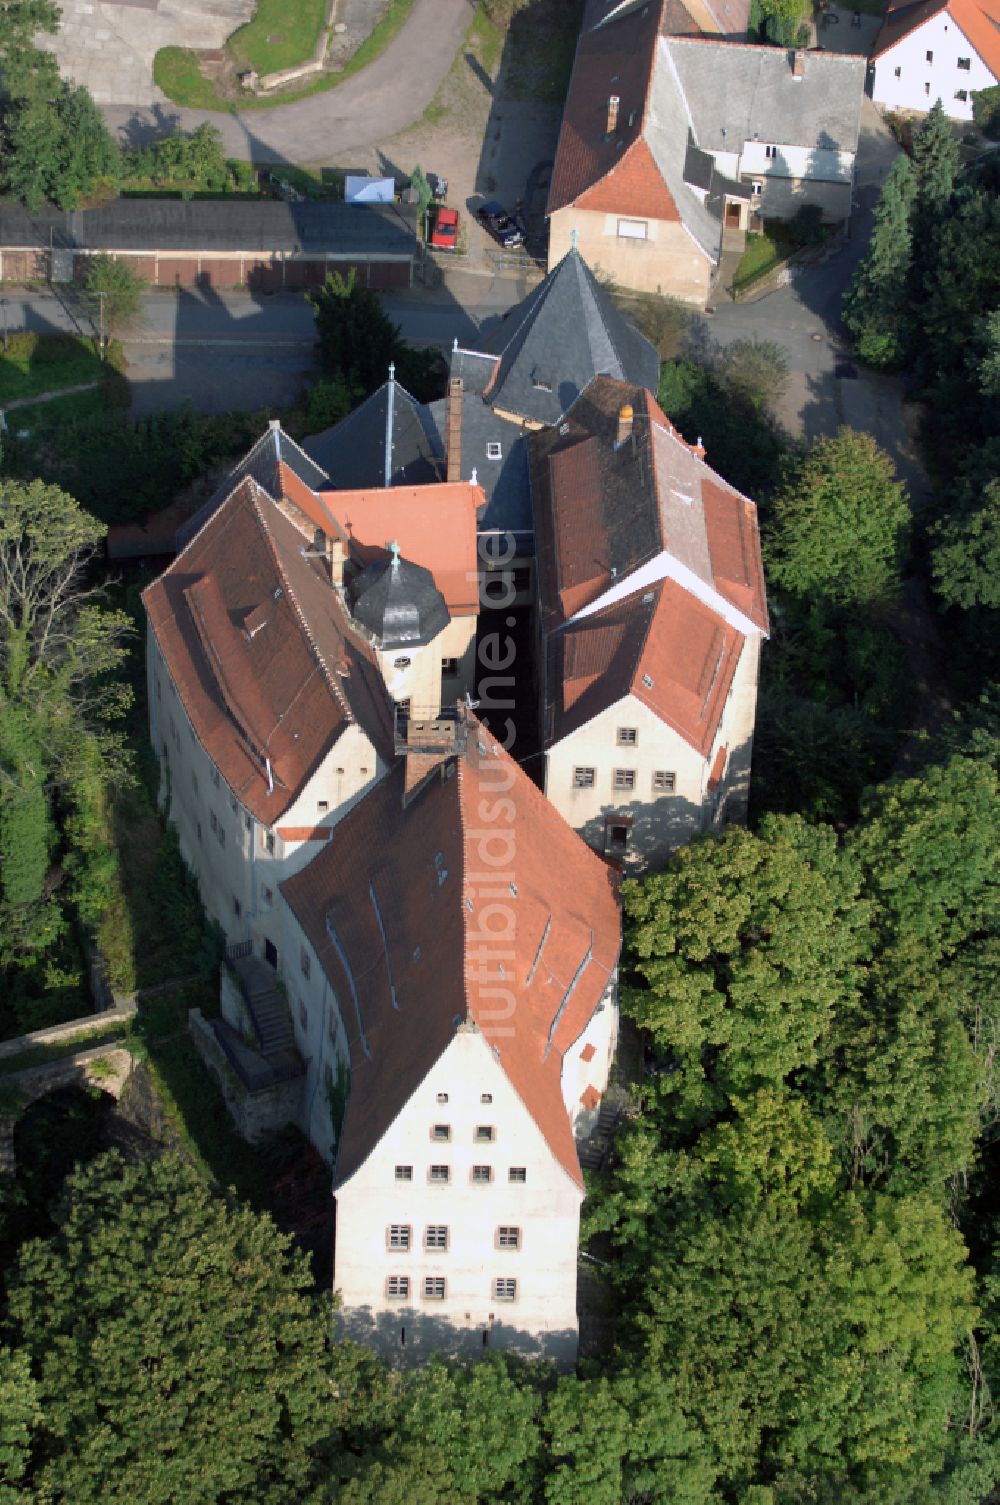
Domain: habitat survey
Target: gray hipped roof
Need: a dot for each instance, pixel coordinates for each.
(398, 602)
(566, 332)
(352, 453)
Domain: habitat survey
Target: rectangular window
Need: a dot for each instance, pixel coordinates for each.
(439, 1174)
(322, 806)
(965, 63)
(756, 188)
(404, 1172)
(486, 1097)
(397, 1287)
(624, 778)
(628, 736)
(899, 72)
(616, 839)
(237, 907)
(434, 1288)
(927, 88)
(441, 1133)
(633, 229)
(303, 1015)
(518, 1173)
(442, 1097)
(930, 57)
(436, 1236)
(482, 1175)
(449, 668)
(508, 1237)
(583, 778)
(493, 450)
(770, 152)
(485, 1134)
(961, 94)
(664, 782)
(267, 841)
(398, 1236)
(305, 962)
(505, 1289)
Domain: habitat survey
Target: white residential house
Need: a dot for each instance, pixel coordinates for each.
(936, 49)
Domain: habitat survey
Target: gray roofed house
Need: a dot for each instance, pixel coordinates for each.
(551, 346)
(366, 449)
(737, 94)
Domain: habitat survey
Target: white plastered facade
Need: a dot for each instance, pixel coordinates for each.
(902, 78)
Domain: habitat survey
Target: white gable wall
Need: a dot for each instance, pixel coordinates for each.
(921, 82)
(545, 1207)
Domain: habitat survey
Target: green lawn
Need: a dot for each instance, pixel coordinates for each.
(34, 363)
(282, 34)
(764, 252)
(176, 70)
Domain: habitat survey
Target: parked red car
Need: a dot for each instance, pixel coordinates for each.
(444, 232)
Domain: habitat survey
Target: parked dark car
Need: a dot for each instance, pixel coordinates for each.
(500, 224)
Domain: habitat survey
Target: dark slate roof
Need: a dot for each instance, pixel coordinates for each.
(504, 481)
(216, 225)
(566, 332)
(352, 453)
(474, 367)
(398, 602)
(698, 166)
(260, 464)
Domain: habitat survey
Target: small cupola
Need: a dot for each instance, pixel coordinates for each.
(397, 602)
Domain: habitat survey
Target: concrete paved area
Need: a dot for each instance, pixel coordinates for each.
(826, 387)
(372, 105)
(109, 45)
(842, 29)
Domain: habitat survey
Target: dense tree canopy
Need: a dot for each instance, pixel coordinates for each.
(840, 525)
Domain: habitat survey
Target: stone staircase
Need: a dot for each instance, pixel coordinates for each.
(617, 1101)
(267, 1007)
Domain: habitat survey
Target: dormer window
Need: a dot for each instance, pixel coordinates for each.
(770, 152)
(540, 383)
(493, 451)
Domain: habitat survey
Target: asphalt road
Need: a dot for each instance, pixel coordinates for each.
(238, 350)
(372, 105)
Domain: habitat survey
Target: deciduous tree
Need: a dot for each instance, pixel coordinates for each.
(178, 1351)
(840, 525)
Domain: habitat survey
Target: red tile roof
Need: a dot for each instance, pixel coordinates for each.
(603, 510)
(434, 525)
(979, 20)
(280, 698)
(391, 907)
(613, 59)
(662, 645)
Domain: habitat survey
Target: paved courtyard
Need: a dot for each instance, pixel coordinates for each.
(109, 45)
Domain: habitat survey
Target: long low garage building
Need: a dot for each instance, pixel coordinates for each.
(263, 245)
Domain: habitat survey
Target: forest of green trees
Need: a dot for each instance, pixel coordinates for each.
(800, 1233)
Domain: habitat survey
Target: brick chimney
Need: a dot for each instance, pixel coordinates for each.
(624, 430)
(613, 103)
(798, 65)
(454, 472)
